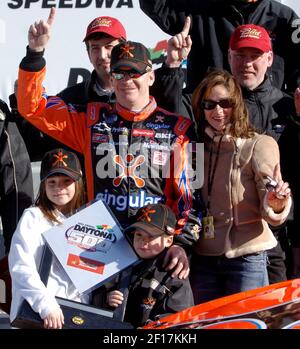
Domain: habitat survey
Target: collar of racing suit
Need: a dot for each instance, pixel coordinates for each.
(134, 115)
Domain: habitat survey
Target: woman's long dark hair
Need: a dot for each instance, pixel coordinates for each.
(240, 126)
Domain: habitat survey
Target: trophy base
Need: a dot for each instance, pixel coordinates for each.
(76, 316)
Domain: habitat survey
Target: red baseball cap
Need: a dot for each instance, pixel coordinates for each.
(107, 25)
(250, 35)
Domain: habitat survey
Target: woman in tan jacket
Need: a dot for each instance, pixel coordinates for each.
(230, 255)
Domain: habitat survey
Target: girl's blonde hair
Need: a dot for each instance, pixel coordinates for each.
(48, 208)
(240, 126)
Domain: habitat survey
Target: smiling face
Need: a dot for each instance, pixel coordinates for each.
(218, 117)
(218, 101)
(249, 66)
(133, 93)
(147, 246)
(60, 190)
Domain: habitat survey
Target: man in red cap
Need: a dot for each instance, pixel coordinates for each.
(213, 22)
(274, 113)
(250, 55)
(102, 34)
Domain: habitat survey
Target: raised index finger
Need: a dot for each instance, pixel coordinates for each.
(277, 173)
(187, 26)
(51, 17)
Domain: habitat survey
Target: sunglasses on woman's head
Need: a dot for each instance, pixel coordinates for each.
(208, 104)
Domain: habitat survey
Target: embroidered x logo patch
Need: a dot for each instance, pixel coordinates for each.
(128, 169)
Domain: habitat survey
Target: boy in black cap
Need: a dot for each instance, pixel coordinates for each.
(152, 291)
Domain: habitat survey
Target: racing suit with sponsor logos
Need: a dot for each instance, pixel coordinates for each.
(131, 159)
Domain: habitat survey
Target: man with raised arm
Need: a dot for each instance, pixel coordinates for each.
(135, 152)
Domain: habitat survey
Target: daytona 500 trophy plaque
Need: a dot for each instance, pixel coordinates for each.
(92, 249)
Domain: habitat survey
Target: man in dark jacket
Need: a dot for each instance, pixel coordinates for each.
(16, 188)
(250, 56)
(213, 21)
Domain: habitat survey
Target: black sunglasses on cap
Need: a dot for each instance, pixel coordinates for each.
(210, 105)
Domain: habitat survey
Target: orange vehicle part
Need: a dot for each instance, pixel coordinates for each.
(273, 306)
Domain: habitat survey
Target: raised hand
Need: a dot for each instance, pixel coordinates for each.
(39, 32)
(179, 46)
(297, 100)
(277, 199)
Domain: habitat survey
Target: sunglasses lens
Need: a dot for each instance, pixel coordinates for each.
(122, 75)
(210, 105)
(134, 75)
(225, 103)
(117, 76)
